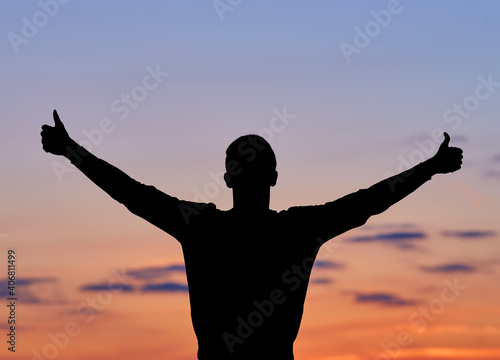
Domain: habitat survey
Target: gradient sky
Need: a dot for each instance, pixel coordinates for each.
(350, 121)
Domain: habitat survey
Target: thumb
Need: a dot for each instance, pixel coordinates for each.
(57, 121)
(446, 142)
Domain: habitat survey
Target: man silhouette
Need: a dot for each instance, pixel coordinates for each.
(247, 268)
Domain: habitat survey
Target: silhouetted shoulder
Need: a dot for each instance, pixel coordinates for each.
(167, 212)
(328, 220)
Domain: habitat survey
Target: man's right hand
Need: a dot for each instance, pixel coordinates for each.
(55, 139)
(447, 159)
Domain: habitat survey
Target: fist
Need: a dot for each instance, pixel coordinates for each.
(55, 139)
(447, 159)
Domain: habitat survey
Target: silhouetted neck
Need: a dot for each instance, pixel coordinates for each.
(251, 199)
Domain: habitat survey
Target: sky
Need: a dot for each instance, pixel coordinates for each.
(346, 92)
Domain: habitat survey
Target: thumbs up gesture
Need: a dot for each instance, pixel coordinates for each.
(55, 139)
(447, 159)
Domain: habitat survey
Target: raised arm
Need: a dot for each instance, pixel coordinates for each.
(166, 212)
(353, 210)
(116, 183)
(389, 191)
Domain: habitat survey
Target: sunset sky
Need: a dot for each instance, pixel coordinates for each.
(346, 92)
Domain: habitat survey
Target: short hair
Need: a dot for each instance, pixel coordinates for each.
(250, 157)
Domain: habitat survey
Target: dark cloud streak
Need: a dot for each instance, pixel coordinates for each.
(470, 234)
(24, 290)
(321, 281)
(449, 268)
(324, 264)
(384, 299)
(156, 272)
(104, 286)
(403, 240)
(165, 287)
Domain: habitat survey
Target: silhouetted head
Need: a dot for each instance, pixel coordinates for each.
(250, 161)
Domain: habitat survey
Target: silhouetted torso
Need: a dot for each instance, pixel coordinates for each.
(247, 272)
(233, 261)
